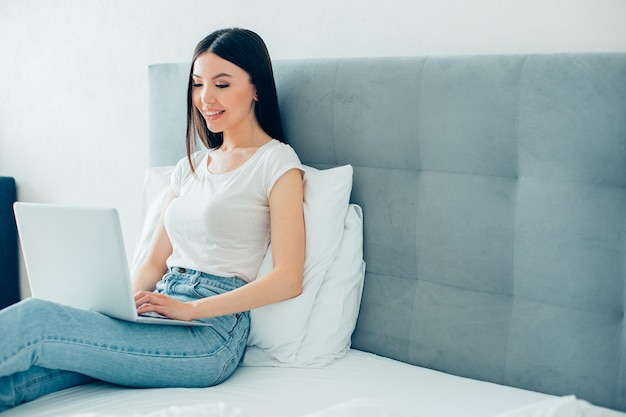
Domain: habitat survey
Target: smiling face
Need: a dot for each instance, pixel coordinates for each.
(223, 94)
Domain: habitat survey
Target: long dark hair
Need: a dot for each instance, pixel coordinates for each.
(247, 50)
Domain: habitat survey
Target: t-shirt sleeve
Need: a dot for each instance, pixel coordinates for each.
(284, 159)
(176, 178)
(181, 173)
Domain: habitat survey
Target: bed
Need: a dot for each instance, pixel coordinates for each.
(477, 266)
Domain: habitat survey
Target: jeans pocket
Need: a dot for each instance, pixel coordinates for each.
(202, 291)
(162, 286)
(177, 288)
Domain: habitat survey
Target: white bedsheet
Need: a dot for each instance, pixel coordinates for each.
(568, 406)
(358, 380)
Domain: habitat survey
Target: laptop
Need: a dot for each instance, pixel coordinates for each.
(76, 256)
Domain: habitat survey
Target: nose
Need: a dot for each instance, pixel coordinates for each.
(206, 97)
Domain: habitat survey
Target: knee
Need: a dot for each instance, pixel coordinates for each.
(36, 305)
(29, 320)
(32, 310)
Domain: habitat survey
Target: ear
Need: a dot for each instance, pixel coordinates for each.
(256, 96)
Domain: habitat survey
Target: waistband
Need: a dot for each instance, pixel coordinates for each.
(226, 283)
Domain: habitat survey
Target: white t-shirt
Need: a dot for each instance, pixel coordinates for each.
(220, 223)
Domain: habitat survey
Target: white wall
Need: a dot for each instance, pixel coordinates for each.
(73, 90)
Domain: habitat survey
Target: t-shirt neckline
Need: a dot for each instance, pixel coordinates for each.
(255, 155)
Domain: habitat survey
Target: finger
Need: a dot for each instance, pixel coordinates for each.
(151, 302)
(147, 308)
(152, 308)
(142, 299)
(148, 297)
(140, 294)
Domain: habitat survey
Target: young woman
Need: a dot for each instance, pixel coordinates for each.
(224, 203)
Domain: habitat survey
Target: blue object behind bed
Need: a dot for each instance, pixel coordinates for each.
(9, 277)
(494, 198)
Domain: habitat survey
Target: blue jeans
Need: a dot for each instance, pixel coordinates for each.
(46, 347)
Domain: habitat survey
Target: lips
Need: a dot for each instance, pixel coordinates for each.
(213, 114)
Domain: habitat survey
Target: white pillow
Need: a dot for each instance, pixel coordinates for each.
(336, 308)
(155, 184)
(334, 314)
(279, 328)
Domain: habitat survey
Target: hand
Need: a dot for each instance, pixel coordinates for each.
(148, 302)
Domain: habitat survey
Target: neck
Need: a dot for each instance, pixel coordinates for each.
(245, 137)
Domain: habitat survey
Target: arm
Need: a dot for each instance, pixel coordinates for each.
(283, 282)
(153, 267)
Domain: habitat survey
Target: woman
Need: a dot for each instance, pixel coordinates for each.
(223, 204)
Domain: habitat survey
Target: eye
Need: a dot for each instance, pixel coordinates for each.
(222, 85)
(196, 85)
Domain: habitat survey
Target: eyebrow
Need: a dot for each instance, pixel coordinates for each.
(222, 74)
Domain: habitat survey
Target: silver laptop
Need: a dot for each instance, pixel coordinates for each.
(75, 256)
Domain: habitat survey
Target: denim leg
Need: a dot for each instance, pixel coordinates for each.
(36, 382)
(39, 337)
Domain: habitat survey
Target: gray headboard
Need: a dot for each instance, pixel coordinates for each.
(494, 198)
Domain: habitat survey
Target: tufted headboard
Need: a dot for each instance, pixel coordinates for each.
(494, 197)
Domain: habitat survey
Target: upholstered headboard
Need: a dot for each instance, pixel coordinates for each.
(494, 197)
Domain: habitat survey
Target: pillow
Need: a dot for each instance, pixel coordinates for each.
(155, 184)
(279, 328)
(336, 308)
(334, 313)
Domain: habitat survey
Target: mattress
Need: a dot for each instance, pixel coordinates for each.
(358, 380)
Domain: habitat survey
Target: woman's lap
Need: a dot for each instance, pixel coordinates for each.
(40, 336)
